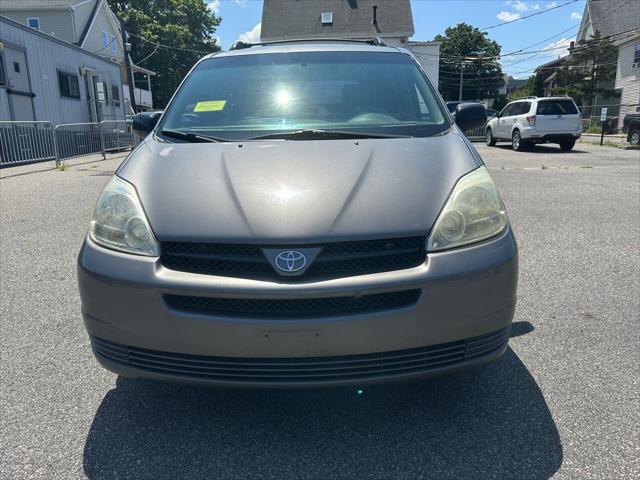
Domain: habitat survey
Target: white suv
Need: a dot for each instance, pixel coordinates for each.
(533, 120)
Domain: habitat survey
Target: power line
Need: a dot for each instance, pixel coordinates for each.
(168, 47)
(529, 16)
(545, 40)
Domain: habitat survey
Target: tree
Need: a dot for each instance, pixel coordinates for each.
(481, 78)
(536, 85)
(186, 26)
(589, 71)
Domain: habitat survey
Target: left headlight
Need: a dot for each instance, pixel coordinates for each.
(473, 212)
(119, 222)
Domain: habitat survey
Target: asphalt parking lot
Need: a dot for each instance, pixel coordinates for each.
(563, 401)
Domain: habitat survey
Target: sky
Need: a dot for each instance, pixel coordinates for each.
(241, 21)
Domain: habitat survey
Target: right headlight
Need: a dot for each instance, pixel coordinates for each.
(119, 221)
(473, 212)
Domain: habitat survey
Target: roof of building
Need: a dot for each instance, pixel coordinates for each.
(516, 82)
(551, 64)
(609, 17)
(53, 39)
(41, 4)
(350, 19)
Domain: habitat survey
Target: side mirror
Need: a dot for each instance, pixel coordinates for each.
(470, 116)
(144, 122)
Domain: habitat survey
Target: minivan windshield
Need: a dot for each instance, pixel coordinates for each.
(242, 97)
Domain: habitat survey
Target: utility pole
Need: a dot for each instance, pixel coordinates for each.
(461, 78)
(127, 66)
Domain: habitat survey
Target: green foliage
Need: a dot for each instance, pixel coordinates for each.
(520, 93)
(536, 85)
(500, 102)
(598, 56)
(482, 78)
(182, 24)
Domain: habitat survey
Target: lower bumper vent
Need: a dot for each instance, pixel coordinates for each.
(230, 370)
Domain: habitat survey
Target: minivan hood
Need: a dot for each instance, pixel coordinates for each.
(276, 191)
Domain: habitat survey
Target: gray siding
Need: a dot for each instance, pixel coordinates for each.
(628, 79)
(45, 56)
(56, 22)
(351, 19)
(93, 41)
(4, 104)
(82, 16)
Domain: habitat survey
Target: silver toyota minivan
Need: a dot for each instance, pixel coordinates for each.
(303, 213)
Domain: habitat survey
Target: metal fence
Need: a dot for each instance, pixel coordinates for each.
(22, 142)
(476, 135)
(27, 142)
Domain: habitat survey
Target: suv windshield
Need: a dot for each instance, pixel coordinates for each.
(256, 95)
(556, 107)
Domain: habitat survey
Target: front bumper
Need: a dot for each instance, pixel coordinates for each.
(461, 318)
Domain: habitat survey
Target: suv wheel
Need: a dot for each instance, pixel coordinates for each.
(567, 145)
(489, 139)
(516, 141)
(634, 137)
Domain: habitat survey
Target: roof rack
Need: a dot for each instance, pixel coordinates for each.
(377, 41)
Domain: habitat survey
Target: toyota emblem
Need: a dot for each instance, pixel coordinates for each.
(290, 261)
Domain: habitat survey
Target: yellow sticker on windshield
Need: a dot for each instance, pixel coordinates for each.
(210, 106)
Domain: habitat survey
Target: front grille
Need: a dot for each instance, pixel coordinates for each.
(335, 260)
(293, 308)
(301, 369)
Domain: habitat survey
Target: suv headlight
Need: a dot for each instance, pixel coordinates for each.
(473, 212)
(119, 222)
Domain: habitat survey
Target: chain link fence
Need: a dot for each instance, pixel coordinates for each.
(29, 142)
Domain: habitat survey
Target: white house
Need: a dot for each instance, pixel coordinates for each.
(628, 75)
(618, 20)
(88, 24)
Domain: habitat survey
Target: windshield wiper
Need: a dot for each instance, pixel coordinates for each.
(317, 134)
(191, 137)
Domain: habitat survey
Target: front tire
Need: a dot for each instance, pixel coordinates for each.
(567, 145)
(490, 139)
(516, 141)
(634, 137)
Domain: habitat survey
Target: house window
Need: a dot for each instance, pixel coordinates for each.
(69, 85)
(114, 45)
(636, 56)
(327, 18)
(115, 95)
(16, 67)
(140, 81)
(34, 22)
(105, 39)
